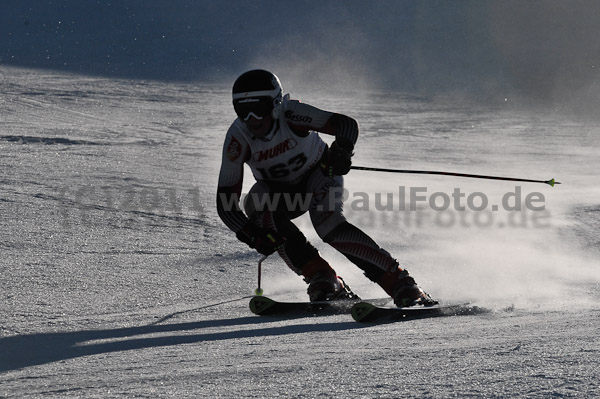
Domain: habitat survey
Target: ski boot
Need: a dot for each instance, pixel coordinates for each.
(323, 282)
(404, 290)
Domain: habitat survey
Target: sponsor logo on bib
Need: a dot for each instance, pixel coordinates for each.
(275, 151)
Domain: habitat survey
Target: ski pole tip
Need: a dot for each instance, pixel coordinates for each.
(552, 182)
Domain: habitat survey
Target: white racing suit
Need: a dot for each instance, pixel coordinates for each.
(290, 182)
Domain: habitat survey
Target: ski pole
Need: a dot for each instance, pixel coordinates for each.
(550, 182)
(258, 291)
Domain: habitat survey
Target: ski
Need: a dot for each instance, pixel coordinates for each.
(263, 306)
(369, 312)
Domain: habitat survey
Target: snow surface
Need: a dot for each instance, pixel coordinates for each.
(112, 251)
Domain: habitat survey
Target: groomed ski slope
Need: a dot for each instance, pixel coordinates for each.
(112, 251)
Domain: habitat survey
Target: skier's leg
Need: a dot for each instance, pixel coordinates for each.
(378, 265)
(297, 252)
(265, 209)
(326, 212)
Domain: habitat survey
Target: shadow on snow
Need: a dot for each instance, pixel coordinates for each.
(36, 349)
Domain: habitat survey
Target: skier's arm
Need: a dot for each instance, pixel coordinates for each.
(303, 117)
(229, 190)
(231, 177)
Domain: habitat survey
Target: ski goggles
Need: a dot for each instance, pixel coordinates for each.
(258, 107)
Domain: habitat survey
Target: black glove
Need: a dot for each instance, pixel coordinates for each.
(264, 241)
(338, 159)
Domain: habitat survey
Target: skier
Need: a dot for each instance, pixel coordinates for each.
(276, 136)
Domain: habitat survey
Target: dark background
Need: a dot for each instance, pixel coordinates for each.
(548, 50)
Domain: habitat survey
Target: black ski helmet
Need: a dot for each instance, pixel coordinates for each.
(258, 92)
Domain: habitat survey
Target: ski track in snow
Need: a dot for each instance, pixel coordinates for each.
(112, 250)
